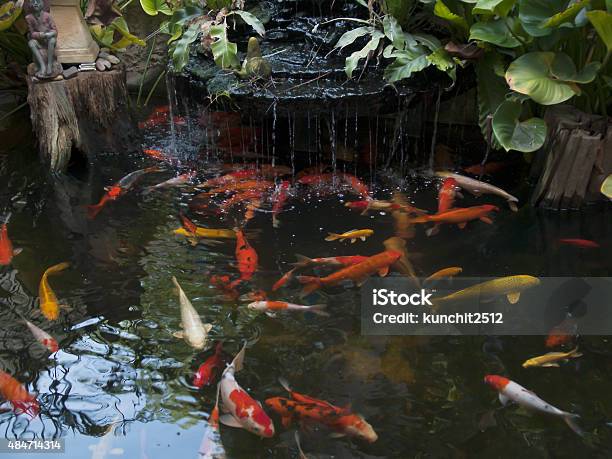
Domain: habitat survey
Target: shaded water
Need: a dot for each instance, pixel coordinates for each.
(121, 382)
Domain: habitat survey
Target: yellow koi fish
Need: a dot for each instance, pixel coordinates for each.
(443, 273)
(351, 235)
(551, 359)
(206, 233)
(511, 287)
(49, 305)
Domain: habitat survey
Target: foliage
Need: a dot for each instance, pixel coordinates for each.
(188, 22)
(116, 35)
(536, 53)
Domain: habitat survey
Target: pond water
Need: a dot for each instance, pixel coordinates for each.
(122, 385)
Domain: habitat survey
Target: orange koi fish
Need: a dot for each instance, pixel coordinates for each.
(49, 305)
(357, 273)
(446, 195)
(242, 410)
(246, 256)
(14, 392)
(459, 217)
(280, 196)
(240, 198)
(247, 185)
(7, 252)
(351, 235)
(443, 273)
(188, 224)
(119, 189)
(317, 179)
(580, 243)
(357, 185)
(562, 333)
(156, 154)
(209, 371)
(43, 337)
(283, 280)
(385, 206)
(223, 284)
(271, 307)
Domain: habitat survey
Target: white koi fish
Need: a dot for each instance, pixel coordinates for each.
(271, 307)
(477, 188)
(43, 337)
(194, 331)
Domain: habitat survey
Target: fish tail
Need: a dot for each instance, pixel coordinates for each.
(238, 362)
(283, 382)
(93, 211)
(333, 237)
(433, 230)
(318, 309)
(574, 353)
(570, 420)
(302, 261)
(513, 206)
(311, 284)
(57, 268)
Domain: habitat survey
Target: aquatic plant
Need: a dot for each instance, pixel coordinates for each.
(535, 53)
(188, 21)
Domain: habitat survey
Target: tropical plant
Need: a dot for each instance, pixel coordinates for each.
(536, 53)
(188, 22)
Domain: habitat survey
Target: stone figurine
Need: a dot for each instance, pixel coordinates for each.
(42, 40)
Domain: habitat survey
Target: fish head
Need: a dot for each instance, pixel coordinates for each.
(496, 382)
(257, 305)
(114, 191)
(529, 363)
(355, 426)
(394, 255)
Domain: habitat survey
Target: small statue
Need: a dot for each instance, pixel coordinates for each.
(254, 65)
(42, 38)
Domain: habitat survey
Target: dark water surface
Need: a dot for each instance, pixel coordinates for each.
(121, 385)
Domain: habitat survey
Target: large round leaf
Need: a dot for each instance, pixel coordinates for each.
(531, 74)
(533, 14)
(512, 134)
(496, 32)
(153, 7)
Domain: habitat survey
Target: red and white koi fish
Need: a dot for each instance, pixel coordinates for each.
(305, 262)
(246, 256)
(119, 189)
(511, 391)
(7, 251)
(208, 372)
(242, 411)
(477, 188)
(14, 392)
(177, 181)
(271, 307)
(283, 280)
(43, 337)
(279, 198)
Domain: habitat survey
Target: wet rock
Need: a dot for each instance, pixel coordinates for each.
(70, 72)
(221, 82)
(100, 64)
(109, 57)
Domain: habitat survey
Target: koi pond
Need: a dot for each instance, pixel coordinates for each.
(227, 210)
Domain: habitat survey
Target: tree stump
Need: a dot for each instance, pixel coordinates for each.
(574, 161)
(88, 114)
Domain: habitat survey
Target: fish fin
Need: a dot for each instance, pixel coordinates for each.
(57, 268)
(230, 421)
(275, 222)
(286, 421)
(575, 355)
(462, 225)
(238, 362)
(193, 241)
(285, 384)
(318, 309)
(337, 435)
(513, 206)
(179, 334)
(513, 297)
(503, 399)
(270, 314)
(570, 420)
(363, 238)
(486, 220)
(332, 237)
(353, 241)
(208, 327)
(550, 365)
(382, 272)
(433, 230)
(302, 261)
(296, 436)
(311, 284)
(17, 252)
(459, 194)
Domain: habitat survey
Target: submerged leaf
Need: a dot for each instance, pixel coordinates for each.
(512, 134)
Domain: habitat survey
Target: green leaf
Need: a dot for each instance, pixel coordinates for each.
(443, 62)
(353, 60)
(512, 134)
(224, 52)
(404, 68)
(602, 22)
(250, 20)
(429, 41)
(348, 38)
(127, 39)
(494, 7)
(394, 32)
(9, 12)
(218, 4)
(531, 74)
(444, 12)
(567, 15)
(496, 32)
(564, 69)
(606, 187)
(534, 13)
(491, 91)
(153, 7)
(180, 55)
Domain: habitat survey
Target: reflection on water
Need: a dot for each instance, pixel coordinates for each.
(122, 383)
